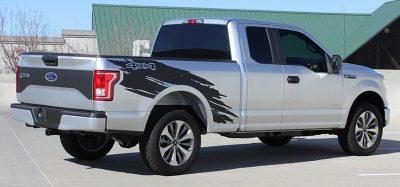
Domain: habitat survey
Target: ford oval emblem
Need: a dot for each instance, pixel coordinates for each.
(51, 77)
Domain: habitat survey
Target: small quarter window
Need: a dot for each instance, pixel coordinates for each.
(259, 47)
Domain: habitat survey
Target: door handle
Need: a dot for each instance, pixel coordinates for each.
(293, 79)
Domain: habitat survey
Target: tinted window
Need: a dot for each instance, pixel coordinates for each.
(298, 49)
(260, 50)
(199, 41)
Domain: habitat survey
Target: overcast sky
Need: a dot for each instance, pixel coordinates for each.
(77, 14)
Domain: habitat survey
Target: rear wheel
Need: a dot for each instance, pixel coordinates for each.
(173, 144)
(86, 146)
(276, 141)
(363, 133)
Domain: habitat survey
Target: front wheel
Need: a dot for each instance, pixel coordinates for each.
(86, 146)
(363, 133)
(173, 144)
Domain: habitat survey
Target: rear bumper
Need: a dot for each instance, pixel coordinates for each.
(59, 118)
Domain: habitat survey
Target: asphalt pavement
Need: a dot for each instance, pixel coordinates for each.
(29, 158)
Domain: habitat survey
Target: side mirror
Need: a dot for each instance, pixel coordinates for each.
(336, 64)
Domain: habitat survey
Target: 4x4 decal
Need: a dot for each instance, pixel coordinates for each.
(155, 76)
(140, 66)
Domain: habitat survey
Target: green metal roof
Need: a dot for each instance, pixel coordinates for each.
(375, 23)
(117, 26)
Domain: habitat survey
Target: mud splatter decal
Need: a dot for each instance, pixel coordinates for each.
(148, 77)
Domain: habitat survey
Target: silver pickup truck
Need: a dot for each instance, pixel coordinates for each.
(238, 78)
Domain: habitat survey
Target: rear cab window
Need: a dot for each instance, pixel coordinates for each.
(193, 41)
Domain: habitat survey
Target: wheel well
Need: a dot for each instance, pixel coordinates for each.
(179, 101)
(369, 97)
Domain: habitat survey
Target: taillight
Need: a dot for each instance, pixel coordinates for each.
(17, 80)
(194, 21)
(103, 84)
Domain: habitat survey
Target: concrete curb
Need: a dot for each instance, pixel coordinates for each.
(4, 78)
(7, 89)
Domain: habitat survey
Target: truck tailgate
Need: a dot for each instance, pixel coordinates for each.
(58, 80)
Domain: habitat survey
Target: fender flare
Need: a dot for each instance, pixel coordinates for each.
(355, 92)
(183, 88)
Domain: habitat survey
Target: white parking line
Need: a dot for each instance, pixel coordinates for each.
(378, 174)
(29, 155)
(391, 132)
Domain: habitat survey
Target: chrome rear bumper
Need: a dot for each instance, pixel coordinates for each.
(59, 118)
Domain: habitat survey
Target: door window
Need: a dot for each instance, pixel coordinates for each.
(298, 49)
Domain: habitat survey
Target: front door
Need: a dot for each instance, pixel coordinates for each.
(312, 91)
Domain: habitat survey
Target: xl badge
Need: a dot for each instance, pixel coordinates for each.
(24, 75)
(51, 77)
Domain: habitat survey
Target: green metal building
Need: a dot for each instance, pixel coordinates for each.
(368, 39)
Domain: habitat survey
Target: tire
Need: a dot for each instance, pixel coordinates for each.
(354, 141)
(142, 150)
(275, 141)
(86, 146)
(173, 161)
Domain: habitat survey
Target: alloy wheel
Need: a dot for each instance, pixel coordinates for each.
(366, 129)
(176, 143)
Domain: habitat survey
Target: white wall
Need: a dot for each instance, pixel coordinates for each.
(141, 48)
(80, 45)
(392, 83)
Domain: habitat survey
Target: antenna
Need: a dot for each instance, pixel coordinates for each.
(344, 29)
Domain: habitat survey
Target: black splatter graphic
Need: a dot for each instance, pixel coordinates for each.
(148, 77)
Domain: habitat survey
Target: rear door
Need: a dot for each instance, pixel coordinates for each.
(312, 91)
(265, 81)
(58, 80)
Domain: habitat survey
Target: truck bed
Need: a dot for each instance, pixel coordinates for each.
(66, 81)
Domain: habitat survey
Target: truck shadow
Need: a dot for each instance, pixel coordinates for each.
(227, 157)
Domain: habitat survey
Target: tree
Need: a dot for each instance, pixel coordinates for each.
(27, 32)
